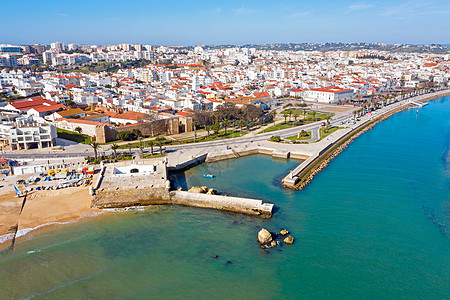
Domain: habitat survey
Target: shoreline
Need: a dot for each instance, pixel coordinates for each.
(306, 174)
(34, 221)
(42, 209)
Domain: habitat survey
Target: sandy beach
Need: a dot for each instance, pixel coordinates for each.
(42, 207)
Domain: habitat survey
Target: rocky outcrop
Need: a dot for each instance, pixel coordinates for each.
(180, 188)
(264, 237)
(284, 232)
(212, 192)
(198, 189)
(289, 240)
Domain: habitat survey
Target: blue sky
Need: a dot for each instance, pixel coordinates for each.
(224, 22)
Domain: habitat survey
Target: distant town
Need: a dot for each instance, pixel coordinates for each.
(123, 92)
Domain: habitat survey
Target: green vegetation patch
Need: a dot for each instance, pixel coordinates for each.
(324, 131)
(304, 135)
(73, 136)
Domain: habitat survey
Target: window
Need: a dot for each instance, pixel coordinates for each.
(134, 170)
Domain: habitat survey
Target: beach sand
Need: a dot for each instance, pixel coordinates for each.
(43, 207)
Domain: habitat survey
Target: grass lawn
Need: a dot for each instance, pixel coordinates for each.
(302, 138)
(154, 155)
(289, 124)
(309, 115)
(73, 136)
(212, 137)
(324, 132)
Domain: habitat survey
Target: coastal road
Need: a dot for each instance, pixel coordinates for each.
(246, 139)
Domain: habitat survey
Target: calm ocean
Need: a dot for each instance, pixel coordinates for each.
(374, 224)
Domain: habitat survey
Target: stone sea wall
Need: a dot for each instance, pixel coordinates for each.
(156, 196)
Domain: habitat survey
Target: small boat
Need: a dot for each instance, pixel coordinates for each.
(208, 175)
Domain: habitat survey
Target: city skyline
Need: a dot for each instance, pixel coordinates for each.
(250, 22)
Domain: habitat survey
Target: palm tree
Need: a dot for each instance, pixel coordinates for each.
(114, 148)
(151, 144)
(208, 128)
(194, 124)
(241, 123)
(285, 117)
(160, 147)
(314, 115)
(290, 115)
(141, 146)
(328, 120)
(95, 146)
(304, 114)
(129, 147)
(274, 114)
(295, 118)
(225, 124)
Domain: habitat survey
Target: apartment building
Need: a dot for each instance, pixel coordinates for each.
(328, 94)
(26, 133)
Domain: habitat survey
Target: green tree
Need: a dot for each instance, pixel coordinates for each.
(328, 121)
(141, 146)
(285, 117)
(129, 148)
(225, 124)
(160, 147)
(151, 144)
(95, 146)
(114, 148)
(241, 123)
(274, 114)
(78, 129)
(216, 126)
(314, 115)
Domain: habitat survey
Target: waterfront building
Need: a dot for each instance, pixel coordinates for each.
(328, 94)
(27, 133)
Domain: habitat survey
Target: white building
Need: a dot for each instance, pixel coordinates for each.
(57, 46)
(328, 94)
(26, 133)
(72, 47)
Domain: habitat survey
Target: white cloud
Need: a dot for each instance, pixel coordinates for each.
(415, 8)
(218, 10)
(60, 15)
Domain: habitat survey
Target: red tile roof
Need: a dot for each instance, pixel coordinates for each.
(38, 103)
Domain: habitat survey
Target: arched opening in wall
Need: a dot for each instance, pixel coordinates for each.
(134, 170)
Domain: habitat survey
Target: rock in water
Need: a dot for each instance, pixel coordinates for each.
(284, 232)
(197, 189)
(273, 243)
(204, 189)
(289, 240)
(264, 236)
(180, 188)
(212, 192)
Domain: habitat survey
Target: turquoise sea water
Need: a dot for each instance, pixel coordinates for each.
(374, 224)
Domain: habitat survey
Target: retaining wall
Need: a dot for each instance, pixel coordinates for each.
(235, 204)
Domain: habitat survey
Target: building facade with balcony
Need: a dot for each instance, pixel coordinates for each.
(25, 133)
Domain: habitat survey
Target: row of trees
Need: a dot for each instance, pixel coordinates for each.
(114, 147)
(227, 115)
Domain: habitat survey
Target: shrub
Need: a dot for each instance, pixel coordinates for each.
(275, 138)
